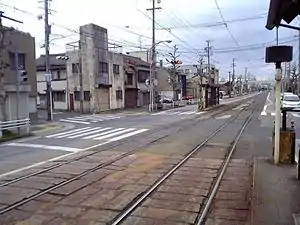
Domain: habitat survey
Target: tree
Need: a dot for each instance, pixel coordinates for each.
(174, 79)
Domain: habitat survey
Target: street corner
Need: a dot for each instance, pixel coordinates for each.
(48, 128)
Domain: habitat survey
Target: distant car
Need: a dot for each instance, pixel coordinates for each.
(291, 101)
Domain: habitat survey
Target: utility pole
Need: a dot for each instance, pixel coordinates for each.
(230, 86)
(245, 80)
(3, 31)
(153, 58)
(298, 77)
(47, 60)
(199, 83)
(233, 76)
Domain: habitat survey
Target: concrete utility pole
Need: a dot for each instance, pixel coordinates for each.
(298, 77)
(3, 31)
(174, 79)
(200, 74)
(233, 76)
(245, 80)
(153, 58)
(230, 86)
(47, 60)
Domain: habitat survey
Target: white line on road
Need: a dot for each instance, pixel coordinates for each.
(50, 147)
(199, 113)
(187, 113)
(223, 117)
(67, 132)
(73, 121)
(90, 132)
(128, 135)
(296, 115)
(114, 134)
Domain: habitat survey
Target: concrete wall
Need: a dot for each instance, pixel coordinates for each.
(11, 102)
(117, 81)
(93, 50)
(22, 43)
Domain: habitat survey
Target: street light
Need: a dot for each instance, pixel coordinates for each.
(151, 78)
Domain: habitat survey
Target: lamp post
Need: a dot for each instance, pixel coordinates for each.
(153, 64)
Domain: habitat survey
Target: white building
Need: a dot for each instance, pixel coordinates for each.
(58, 84)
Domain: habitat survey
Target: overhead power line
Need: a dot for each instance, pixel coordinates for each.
(224, 21)
(214, 24)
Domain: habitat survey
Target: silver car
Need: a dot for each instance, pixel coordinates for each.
(291, 101)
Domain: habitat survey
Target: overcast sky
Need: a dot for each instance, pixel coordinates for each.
(243, 40)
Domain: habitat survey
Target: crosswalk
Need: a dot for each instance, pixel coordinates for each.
(108, 134)
(181, 113)
(88, 119)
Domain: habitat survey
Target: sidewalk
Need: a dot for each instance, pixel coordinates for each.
(276, 194)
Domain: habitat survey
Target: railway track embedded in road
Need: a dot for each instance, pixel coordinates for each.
(215, 185)
(109, 162)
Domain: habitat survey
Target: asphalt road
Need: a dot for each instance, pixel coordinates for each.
(91, 132)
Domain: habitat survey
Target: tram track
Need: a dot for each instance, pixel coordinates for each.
(204, 210)
(98, 167)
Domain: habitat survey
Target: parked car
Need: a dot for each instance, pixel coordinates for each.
(286, 93)
(290, 101)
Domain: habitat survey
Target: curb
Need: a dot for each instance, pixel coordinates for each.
(16, 137)
(48, 127)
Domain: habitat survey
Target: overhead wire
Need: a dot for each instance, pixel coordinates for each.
(223, 19)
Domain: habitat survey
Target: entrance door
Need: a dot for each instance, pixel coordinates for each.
(71, 102)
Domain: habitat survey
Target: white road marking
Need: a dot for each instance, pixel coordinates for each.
(50, 147)
(187, 113)
(296, 115)
(114, 134)
(263, 113)
(90, 132)
(74, 121)
(223, 117)
(67, 132)
(128, 135)
(199, 113)
(78, 132)
(36, 165)
(104, 133)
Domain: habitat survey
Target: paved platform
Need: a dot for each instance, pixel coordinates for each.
(276, 193)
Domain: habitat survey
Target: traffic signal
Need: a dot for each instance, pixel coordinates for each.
(23, 75)
(65, 58)
(178, 62)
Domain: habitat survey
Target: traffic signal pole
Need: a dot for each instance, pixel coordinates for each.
(18, 82)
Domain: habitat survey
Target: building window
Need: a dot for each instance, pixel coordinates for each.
(143, 75)
(21, 60)
(103, 67)
(58, 75)
(77, 95)
(59, 96)
(116, 69)
(119, 94)
(75, 67)
(129, 79)
(86, 96)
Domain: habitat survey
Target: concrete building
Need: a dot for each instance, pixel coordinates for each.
(111, 80)
(22, 45)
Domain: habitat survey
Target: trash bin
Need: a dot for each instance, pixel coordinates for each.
(287, 145)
